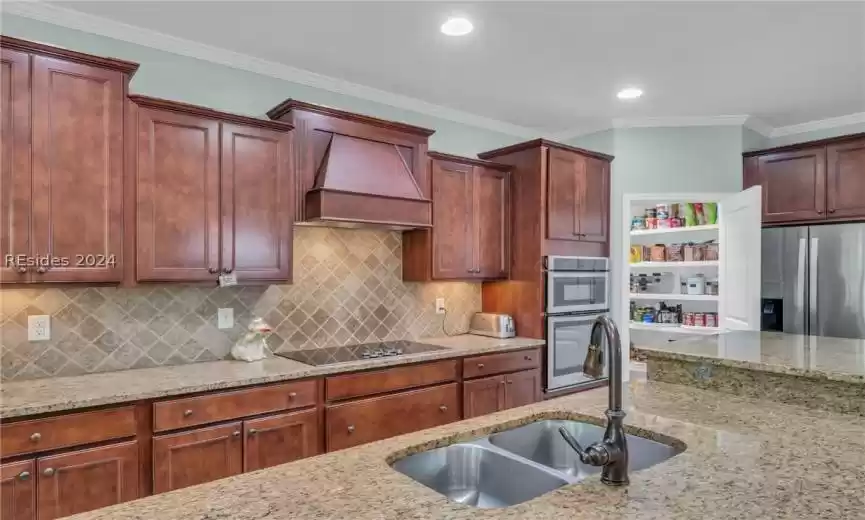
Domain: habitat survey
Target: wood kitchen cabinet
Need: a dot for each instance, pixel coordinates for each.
(18, 490)
(63, 164)
(84, 480)
(810, 182)
(578, 195)
(277, 439)
(470, 238)
(214, 194)
(483, 396)
(522, 388)
(197, 456)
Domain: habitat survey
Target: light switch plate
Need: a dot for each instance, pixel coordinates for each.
(39, 327)
(440, 305)
(225, 318)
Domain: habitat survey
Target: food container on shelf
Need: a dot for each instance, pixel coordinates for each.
(688, 319)
(675, 253)
(712, 287)
(658, 253)
(711, 319)
(694, 253)
(699, 319)
(697, 285)
(651, 223)
(711, 251)
(662, 211)
(638, 223)
(638, 254)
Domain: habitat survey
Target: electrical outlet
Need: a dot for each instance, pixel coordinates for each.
(39, 327)
(225, 318)
(440, 305)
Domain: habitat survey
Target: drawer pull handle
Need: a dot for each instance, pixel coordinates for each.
(443, 408)
(49, 472)
(528, 358)
(253, 431)
(510, 381)
(22, 270)
(292, 395)
(212, 270)
(36, 437)
(480, 365)
(503, 381)
(42, 269)
(187, 413)
(350, 428)
(24, 475)
(235, 434)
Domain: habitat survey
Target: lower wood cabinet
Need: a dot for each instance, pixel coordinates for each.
(277, 439)
(492, 394)
(367, 420)
(197, 456)
(18, 490)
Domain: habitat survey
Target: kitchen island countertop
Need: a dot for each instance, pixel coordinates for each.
(744, 459)
(37, 396)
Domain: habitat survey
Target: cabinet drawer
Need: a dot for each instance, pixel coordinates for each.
(392, 379)
(66, 430)
(498, 363)
(192, 411)
(359, 422)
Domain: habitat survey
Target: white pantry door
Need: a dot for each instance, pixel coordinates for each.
(741, 231)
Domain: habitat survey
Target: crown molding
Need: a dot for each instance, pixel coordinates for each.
(654, 122)
(820, 124)
(72, 19)
(759, 126)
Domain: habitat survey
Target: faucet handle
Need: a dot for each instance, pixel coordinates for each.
(594, 455)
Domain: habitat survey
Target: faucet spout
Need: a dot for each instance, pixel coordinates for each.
(612, 452)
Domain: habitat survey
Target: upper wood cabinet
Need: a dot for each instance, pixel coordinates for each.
(354, 170)
(470, 238)
(578, 194)
(63, 164)
(810, 182)
(214, 194)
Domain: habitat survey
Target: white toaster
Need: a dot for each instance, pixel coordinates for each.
(492, 324)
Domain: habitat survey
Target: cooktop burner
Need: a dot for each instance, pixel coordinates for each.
(331, 355)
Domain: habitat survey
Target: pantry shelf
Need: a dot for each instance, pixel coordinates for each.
(675, 328)
(653, 265)
(677, 297)
(679, 230)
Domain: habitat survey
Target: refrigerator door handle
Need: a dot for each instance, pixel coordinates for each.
(799, 299)
(813, 317)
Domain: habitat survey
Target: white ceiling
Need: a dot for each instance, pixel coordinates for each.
(553, 67)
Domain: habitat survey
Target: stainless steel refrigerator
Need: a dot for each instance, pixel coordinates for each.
(814, 279)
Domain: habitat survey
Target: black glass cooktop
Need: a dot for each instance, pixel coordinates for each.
(331, 355)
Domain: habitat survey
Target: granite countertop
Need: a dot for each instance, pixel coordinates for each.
(816, 357)
(38, 396)
(744, 459)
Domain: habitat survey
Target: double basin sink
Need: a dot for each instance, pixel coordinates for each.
(513, 466)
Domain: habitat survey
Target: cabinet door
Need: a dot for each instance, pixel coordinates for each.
(845, 190)
(483, 396)
(177, 197)
(794, 185)
(18, 490)
(77, 171)
(594, 209)
(14, 164)
(277, 439)
(452, 233)
(84, 480)
(257, 203)
(522, 388)
(197, 456)
(492, 223)
(563, 194)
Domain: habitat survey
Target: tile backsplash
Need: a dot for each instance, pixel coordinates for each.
(347, 289)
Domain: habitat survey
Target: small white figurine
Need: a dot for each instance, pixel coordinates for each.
(253, 345)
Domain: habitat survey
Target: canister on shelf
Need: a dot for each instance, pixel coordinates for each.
(638, 223)
(697, 285)
(699, 319)
(711, 251)
(658, 253)
(711, 319)
(664, 223)
(662, 211)
(651, 223)
(651, 213)
(675, 253)
(638, 254)
(694, 253)
(688, 319)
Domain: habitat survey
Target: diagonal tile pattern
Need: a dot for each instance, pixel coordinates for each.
(347, 289)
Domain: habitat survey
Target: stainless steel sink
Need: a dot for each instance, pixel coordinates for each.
(517, 465)
(541, 442)
(478, 476)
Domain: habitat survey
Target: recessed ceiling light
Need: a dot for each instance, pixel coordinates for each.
(457, 27)
(629, 93)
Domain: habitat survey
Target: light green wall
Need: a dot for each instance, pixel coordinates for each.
(752, 140)
(180, 78)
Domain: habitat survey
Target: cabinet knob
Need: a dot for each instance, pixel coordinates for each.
(480, 365)
(212, 270)
(42, 269)
(187, 413)
(443, 408)
(819, 211)
(350, 428)
(831, 211)
(24, 475)
(253, 431)
(510, 381)
(527, 358)
(22, 269)
(235, 434)
(36, 437)
(292, 395)
(503, 381)
(48, 472)
(227, 270)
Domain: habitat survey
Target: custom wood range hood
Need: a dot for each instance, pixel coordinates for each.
(353, 170)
